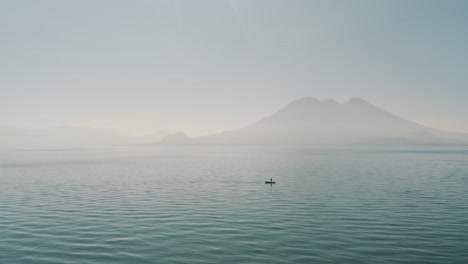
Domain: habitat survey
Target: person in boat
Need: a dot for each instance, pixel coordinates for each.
(271, 179)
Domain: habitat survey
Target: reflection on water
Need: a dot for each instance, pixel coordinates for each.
(211, 205)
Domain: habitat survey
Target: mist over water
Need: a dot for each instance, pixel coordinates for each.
(210, 205)
(124, 128)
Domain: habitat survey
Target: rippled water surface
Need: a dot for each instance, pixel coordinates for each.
(211, 205)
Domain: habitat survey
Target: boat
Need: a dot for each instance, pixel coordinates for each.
(270, 181)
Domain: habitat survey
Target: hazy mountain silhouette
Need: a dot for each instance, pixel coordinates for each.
(179, 138)
(67, 137)
(308, 121)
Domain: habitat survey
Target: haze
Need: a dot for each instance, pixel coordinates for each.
(140, 67)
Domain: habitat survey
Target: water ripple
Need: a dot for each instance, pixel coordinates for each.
(210, 205)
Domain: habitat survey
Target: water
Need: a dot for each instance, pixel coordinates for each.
(210, 205)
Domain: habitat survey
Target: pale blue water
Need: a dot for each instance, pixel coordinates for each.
(210, 205)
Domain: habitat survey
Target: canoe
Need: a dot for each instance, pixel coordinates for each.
(270, 182)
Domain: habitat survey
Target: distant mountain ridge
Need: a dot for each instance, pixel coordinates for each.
(308, 121)
(68, 137)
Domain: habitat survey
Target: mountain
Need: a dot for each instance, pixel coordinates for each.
(308, 121)
(67, 137)
(179, 138)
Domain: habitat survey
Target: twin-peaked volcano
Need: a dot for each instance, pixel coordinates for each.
(308, 121)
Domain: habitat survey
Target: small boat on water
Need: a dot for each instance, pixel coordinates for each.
(270, 181)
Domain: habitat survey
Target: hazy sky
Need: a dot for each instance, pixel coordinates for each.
(205, 66)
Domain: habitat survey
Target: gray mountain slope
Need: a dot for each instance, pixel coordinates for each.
(67, 137)
(308, 121)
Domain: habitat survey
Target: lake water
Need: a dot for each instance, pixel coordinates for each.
(211, 205)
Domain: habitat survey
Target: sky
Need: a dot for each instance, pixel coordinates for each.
(138, 67)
